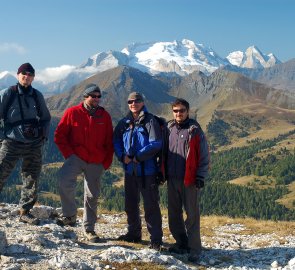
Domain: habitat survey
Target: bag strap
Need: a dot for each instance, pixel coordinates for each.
(13, 94)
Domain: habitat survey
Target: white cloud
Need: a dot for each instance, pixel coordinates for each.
(14, 47)
(52, 74)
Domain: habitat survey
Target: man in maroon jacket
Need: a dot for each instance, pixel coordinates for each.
(188, 160)
(84, 136)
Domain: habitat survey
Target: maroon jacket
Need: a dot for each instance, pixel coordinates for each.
(88, 137)
(188, 152)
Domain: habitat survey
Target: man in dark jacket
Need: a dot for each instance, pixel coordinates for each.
(84, 136)
(188, 163)
(24, 126)
(137, 140)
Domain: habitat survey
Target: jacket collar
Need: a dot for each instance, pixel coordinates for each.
(24, 90)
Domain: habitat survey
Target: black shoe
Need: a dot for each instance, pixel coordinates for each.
(64, 221)
(129, 238)
(27, 217)
(92, 236)
(179, 249)
(156, 246)
(193, 258)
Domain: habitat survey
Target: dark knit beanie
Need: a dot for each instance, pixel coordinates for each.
(89, 88)
(26, 67)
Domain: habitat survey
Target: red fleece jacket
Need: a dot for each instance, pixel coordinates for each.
(88, 137)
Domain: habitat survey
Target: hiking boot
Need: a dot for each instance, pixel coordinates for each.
(27, 217)
(156, 246)
(129, 238)
(194, 258)
(66, 221)
(92, 236)
(179, 249)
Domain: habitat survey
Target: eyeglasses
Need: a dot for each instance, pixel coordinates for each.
(95, 96)
(179, 111)
(27, 73)
(134, 101)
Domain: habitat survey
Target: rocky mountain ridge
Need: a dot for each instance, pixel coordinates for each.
(280, 76)
(221, 90)
(49, 246)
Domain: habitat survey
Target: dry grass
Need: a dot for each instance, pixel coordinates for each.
(273, 122)
(50, 195)
(254, 181)
(210, 223)
(118, 170)
(281, 228)
(137, 265)
(267, 132)
(52, 165)
(288, 199)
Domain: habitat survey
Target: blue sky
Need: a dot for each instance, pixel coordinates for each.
(56, 32)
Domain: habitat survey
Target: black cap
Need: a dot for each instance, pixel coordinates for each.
(26, 67)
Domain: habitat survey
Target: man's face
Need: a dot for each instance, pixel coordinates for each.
(25, 78)
(93, 99)
(180, 113)
(135, 105)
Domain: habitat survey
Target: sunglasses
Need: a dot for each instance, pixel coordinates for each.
(134, 101)
(27, 73)
(179, 111)
(95, 96)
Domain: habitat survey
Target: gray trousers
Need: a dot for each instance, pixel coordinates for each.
(67, 179)
(182, 230)
(150, 194)
(31, 154)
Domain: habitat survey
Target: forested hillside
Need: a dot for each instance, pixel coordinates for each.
(272, 172)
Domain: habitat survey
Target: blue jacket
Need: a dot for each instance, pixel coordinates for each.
(140, 139)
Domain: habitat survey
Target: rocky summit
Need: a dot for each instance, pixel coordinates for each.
(49, 246)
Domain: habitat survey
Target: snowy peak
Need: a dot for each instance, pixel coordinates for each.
(176, 57)
(252, 58)
(181, 57)
(105, 60)
(6, 79)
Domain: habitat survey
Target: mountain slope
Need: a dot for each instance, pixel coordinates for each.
(224, 95)
(116, 84)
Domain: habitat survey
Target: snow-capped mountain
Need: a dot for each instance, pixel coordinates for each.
(252, 58)
(176, 57)
(6, 79)
(180, 57)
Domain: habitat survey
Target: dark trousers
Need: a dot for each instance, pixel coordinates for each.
(10, 153)
(187, 230)
(150, 193)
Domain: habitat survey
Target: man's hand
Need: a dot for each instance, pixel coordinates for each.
(199, 184)
(127, 160)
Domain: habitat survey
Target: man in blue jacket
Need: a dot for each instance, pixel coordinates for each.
(137, 140)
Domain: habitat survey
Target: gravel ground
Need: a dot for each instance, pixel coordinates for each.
(49, 246)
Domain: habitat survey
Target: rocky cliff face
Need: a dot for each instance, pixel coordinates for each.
(48, 246)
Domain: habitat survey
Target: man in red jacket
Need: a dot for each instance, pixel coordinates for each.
(84, 136)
